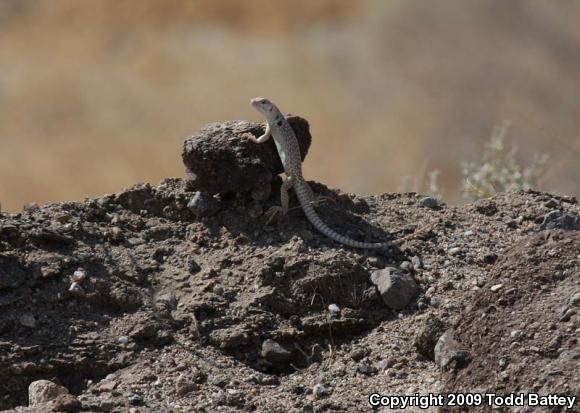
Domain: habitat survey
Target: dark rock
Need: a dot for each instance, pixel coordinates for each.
(449, 354)
(396, 288)
(220, 159)
(48, 236)
(485, 207)
(560, 220)
(427, 336)
(430, 202)
(274, 352)
(203, 205)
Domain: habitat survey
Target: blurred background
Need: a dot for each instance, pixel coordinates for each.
(96, 96)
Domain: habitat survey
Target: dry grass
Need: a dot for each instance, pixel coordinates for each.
(98, 95)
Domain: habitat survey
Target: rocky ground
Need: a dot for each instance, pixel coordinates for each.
(179, 298)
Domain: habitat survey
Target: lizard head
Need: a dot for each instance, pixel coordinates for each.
(265, 107)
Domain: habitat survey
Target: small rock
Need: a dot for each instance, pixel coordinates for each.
(123, 340)
(397, 289)
(65, 403)
(42, 391)
(575, 300)
(417, 263)
(366, 368)
(496, 287)
(468, 233)
(435, 302)
(449, 354)
(431, 329)
(275, 353)
(559, 220)
(27, 320)
(334, 310)
(485, 207)
(203, 205)
(319, 391)
(454, 250)
(79, 276)
(429, 202)
(406, 266)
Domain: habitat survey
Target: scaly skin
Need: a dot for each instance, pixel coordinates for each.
(280, 130)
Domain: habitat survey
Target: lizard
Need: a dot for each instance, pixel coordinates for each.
(278, 128)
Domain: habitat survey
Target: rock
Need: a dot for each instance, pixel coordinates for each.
(203, 205)
(552, 203)
(449, 354)
(42, 391)
(220, 159)
(319, 391)
(560, 220)
(575, 300)
(79, 276)
(27, 320)
(65, 403)
(397, 289)
(431, 329)
(496, 287)
(417, 263)
(485, 207)
(364, 367)
(334, 310)
(275, 353)
(429, 202)
(406, 266)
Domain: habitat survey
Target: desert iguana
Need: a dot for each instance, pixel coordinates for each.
(286, 142)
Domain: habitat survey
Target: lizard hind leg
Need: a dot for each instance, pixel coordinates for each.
(282, 209)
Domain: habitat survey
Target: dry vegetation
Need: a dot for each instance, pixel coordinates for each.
(99, 95)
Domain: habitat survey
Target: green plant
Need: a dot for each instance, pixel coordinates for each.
(498, 170)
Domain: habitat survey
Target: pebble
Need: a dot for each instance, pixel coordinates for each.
(203, 205)
(123, 340)
(406, 266)
(27, 320)
(575, 300)
(334, 310)
(429, 202)
(416, 261)
(319, 391)
(79, 276)
(449, 354)
(454, 250)
(468, 233)
(496, 287)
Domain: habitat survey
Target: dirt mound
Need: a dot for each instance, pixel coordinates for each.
(132, 302)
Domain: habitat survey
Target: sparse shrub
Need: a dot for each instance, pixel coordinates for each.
(498, 170)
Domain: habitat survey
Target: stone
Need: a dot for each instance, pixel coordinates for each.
(274, 352)
(221, 159)
(42, 391)
(203, 205)
(429, 332)
(449, 354)
(396, 288)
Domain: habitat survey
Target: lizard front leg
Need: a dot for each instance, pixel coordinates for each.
(262, 138)
(284, 200)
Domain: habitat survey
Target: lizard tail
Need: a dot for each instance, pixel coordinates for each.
(305, 201)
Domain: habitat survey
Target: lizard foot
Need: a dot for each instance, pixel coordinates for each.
(273, 211)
